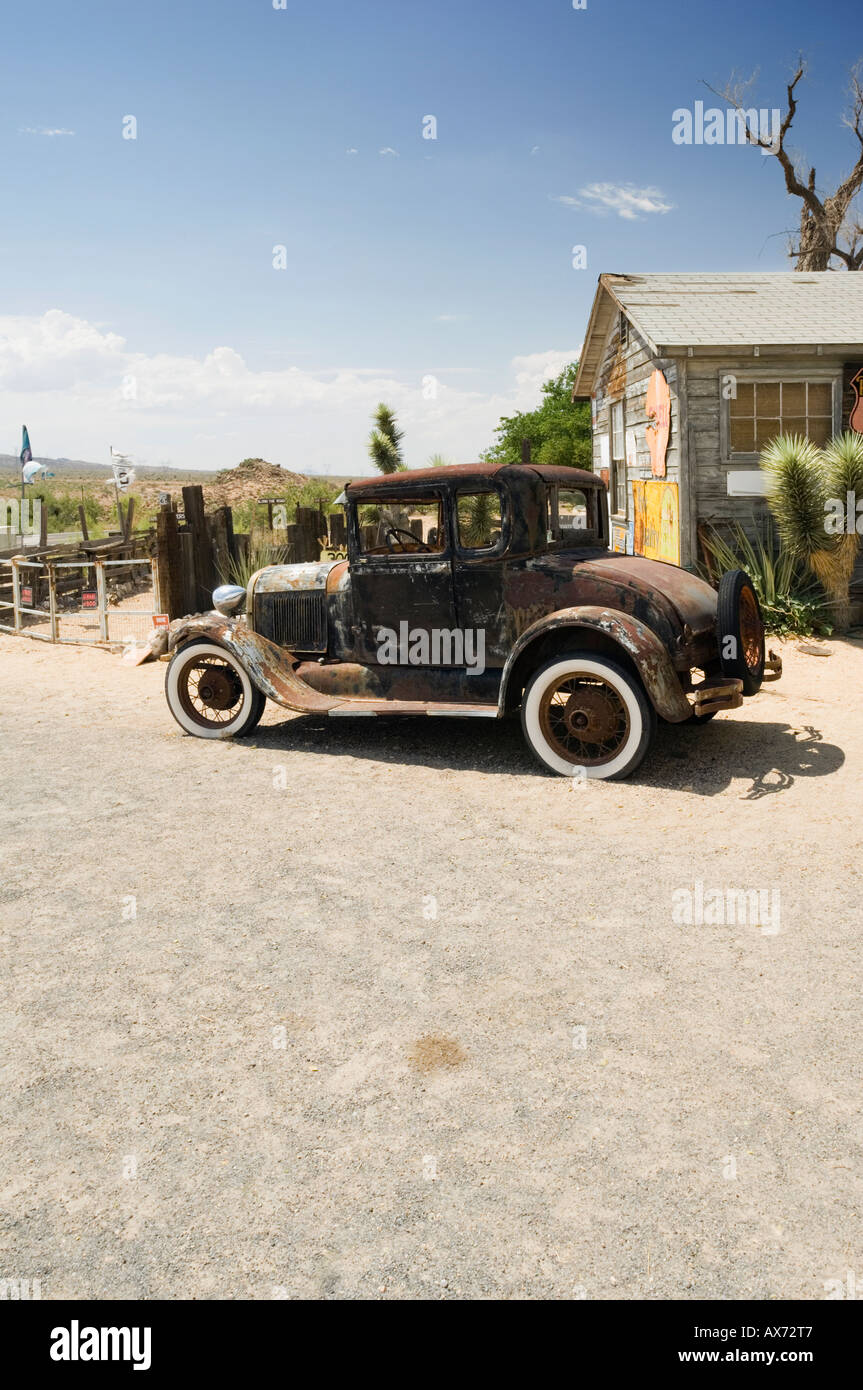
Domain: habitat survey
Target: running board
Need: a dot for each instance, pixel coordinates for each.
(428, 707)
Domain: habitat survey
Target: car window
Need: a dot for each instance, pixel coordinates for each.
(479, 518)
(400, 526)
(572, 515)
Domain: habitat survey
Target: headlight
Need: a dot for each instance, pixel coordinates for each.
(228, 598)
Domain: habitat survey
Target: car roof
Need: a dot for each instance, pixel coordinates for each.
(461, 473)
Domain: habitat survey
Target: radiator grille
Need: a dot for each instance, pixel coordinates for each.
(293, 619)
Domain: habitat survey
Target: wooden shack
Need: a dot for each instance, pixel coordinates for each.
(689, 375)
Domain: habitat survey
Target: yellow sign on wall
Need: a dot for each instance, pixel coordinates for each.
(656, 511)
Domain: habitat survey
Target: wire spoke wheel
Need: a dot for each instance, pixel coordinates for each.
(584, 720)
(210, 691)
(751, 629)
(584, 716)
(740, 630)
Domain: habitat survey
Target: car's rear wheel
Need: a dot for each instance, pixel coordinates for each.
(740, 630)
(583, 711)
(210, 693)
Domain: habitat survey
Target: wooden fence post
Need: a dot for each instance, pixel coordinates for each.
(169, 564)
(202, 549)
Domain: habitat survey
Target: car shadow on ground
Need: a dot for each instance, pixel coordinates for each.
(704, 759)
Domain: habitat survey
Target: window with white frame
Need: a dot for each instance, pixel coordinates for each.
(618, 460)
(762, 409)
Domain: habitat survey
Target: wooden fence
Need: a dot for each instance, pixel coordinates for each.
(194, 554)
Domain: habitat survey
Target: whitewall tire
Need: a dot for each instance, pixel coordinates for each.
(585, 716)
(210, 694)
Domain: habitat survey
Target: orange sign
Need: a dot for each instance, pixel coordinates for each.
(659, 422)
(656, 515)
(855, 419)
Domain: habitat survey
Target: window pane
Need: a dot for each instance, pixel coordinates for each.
(742, 436)
(820, 431)
(745, 402)
(820, 398)
(617, 440)
(767, 398)
(479, 519)
(793, 398)
(400, 526)
(766, 430)
(794, 424)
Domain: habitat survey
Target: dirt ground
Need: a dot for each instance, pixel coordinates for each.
(376, 1008)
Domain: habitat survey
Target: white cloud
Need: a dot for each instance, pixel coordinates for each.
(627, 200)
(351, 150)
(79, 386)
(40, 130)
(531, 371)
(387, 149)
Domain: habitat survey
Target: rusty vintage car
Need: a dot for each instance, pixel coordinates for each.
(478, 590)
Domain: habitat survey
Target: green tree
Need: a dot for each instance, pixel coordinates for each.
(558, 429)
(385, 441)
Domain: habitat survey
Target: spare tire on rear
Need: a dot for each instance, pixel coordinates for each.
(740, 630)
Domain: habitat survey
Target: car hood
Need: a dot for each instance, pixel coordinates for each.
(277, 579)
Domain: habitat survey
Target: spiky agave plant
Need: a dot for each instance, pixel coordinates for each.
(792, 599)
(843, 465)
(385, 441)
(797, 494)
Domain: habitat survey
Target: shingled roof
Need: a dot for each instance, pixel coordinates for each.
(734, 309)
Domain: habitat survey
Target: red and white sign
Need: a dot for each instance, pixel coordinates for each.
(89, 598)
(161, 620)
(658, 422)
(27, 596)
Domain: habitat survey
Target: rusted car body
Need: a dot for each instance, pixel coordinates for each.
(513, 560)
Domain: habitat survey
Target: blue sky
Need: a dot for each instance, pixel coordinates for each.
(140, 306)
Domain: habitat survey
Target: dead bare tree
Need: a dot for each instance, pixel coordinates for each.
(826, 220)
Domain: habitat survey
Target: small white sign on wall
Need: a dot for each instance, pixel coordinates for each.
(746, 482)
(604, 451)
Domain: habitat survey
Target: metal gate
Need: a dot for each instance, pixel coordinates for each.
(108, 601)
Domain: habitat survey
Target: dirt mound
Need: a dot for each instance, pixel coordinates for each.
(249, 480)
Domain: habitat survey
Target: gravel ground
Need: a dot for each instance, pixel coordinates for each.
(378, 1009)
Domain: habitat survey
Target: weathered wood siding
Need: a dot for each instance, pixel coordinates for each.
(708, 430)
(698, 456)
(624, 375)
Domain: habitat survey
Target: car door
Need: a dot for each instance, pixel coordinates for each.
(401, 575)
(481, 534)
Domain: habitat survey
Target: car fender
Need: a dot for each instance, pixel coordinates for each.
(271, 668)
(637, 641)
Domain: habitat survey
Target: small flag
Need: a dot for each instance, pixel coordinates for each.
(26, 451)
(124, 476)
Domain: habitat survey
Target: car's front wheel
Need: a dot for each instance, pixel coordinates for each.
(210, 694)
(583, 715)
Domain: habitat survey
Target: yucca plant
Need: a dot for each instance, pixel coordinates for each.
(385, 441)
(843, 465)
(477, 518)
(798, 492)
